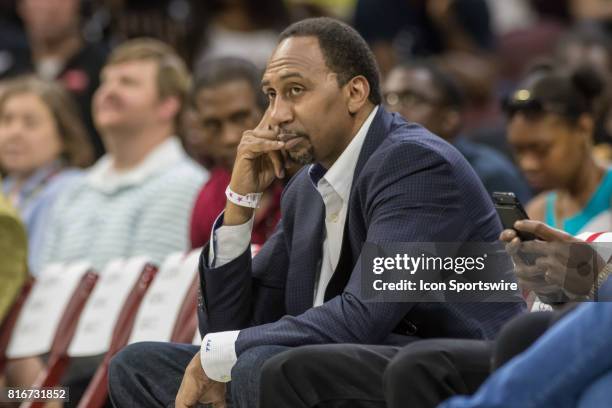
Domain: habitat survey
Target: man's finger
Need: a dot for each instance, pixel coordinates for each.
(215, 395)
(538, 248)
(189, 393)
(513, 246)
(543, 231)
(507, 235)
(255, 145)
(268, 134)
(531, 273)
(286, 158)
(193, 386)
(556, 278)
(264, 123)
(277, 163)
(186, 396)
(554, 272)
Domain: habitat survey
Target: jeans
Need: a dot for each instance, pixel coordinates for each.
(598, 393)
(149, 374)
(562, 369)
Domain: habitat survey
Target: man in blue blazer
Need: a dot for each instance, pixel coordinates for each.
(369, 176)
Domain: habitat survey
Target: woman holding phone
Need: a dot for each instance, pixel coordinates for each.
(551, 121)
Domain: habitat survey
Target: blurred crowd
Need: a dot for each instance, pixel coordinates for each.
(120, 119)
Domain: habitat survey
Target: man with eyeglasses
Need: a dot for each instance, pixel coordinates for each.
(422, 93)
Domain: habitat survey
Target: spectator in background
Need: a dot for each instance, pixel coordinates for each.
(589, 45)
(175, 22)
(599, 11)
(13, 265)
(509, 16)
(241, 28)
(551, 125)
(136, 200)
(586, 45)
(195, 142)
(228, 102)
(42, 140)
(397, 29)
(58, 51)
(13, 39)
(424, 93)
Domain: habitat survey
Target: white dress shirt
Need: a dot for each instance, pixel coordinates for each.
(218, 351)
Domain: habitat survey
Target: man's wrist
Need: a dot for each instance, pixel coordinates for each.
(218, 355)
(236, 215)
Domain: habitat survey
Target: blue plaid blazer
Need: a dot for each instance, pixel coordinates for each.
(409, 186)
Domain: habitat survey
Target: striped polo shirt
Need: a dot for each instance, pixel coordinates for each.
(142, 211)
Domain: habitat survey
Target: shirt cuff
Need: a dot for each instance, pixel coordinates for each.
(218, 355)
(228, 241)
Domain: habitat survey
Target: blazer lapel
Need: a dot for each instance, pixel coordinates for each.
(306, 254)
(342, 273)
(376, 135)
(307, 246)
(346, 262)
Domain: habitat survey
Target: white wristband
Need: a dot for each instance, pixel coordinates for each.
(250, 200)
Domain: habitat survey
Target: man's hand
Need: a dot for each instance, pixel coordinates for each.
(564, 263)
(259, 161)
(196, 388)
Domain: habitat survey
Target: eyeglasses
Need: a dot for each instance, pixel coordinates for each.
(408, 98)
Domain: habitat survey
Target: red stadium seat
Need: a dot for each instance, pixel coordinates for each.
(187, 320)
(96, 393)
(6, 329)
(58, 357)
(184, 326)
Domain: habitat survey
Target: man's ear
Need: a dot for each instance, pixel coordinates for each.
(357, 93)
(168, 108)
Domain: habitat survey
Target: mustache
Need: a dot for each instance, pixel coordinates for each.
(286, 135)
(110, 99)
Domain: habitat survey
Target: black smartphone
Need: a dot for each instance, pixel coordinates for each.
(510, 210)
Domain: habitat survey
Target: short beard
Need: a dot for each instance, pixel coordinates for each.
(302, 157)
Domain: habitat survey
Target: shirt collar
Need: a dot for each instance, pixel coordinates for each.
(103, 176)
(35, 180)
(340, 174)
(316, 173)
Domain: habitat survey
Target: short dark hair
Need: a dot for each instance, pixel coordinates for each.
(548, 88)
(218, 71)
(443, 82)
(344, 50)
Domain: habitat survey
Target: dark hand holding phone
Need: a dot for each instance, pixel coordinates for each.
(510, 210)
